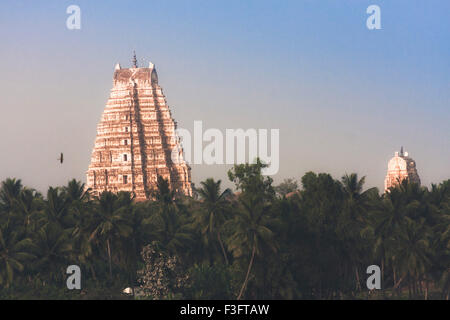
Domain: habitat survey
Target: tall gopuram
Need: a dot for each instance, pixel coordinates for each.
(136, 140)
(400, 167)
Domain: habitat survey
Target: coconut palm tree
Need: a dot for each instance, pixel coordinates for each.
(29, 206)
(76, 191)
(413, 252)
(53, 247)
(352, 221)
(9, 193)
(56, 207)
(252, 223)
(111, 222)
(170, 225)
(252, 232)
(213, 216)
(14, 252)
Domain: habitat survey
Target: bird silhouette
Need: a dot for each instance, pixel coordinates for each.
(61, 158)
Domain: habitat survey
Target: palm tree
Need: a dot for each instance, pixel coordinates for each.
(9, 193)
(163, 194)
(82, 212)
(53, 247)
(389, 216)
(252, 231)
(56, 207)
(405, 200)
(139, 237)
(252, 223)
(213, 217)
(111, 222)
(29, 205)
(353, 187)
(14, 251)
(82, 246)
(9, 196)
(76, 191)
(352, 221)
(413, 254)
(438, 218)
(171, 228)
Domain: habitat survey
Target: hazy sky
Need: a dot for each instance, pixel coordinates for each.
(345, 98)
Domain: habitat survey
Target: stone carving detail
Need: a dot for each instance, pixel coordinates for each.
(136, 137)
(400, 167)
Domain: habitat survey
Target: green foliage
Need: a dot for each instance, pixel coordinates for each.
(286, 187)
(162, 276)
(314, 244)
(208, 282)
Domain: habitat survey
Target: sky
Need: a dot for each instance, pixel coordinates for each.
(344, 97)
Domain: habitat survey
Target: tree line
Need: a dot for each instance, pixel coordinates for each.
(261, 242)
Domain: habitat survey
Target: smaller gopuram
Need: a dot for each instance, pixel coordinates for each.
(401, 167)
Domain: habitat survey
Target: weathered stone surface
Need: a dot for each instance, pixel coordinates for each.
(135, 139)
(400, 167)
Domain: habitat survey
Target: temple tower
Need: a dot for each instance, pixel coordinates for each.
(400, 167)
(136, 140)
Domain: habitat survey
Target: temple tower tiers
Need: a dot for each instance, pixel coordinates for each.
(136, 139)
(400, 167)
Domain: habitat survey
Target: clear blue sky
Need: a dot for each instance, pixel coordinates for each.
(344, 97)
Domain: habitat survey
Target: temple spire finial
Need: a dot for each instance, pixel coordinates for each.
(134, 60)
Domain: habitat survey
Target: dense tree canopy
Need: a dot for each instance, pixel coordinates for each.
(262, 242)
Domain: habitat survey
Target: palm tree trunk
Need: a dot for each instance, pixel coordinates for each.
(244, 285)
(382, 275)
(394, 289)
(109, 256)
(397, 283)
(358, 283)
(414, 284)
(420, 286)
(223, 249)
(410, 285)
(93, 273)
(409, 289)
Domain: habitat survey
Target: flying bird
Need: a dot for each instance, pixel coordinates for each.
(61, 158)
